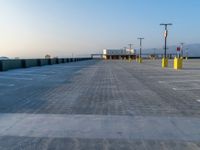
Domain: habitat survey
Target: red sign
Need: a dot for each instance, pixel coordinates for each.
(178, 49)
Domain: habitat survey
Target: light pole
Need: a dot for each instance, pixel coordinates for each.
(140, 57)
(166, 35)
(130, 45)
(125, 52)
(187, 53)
(182, 49)
(154, 53)
(165, 60)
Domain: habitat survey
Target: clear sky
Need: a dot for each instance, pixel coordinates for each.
(33, 28)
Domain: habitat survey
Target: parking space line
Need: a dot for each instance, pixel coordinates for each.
(185, 89)
(178, 81)
(52, 72)
(27, 74)
(66, 66)
(178, 76)
(14, 78)
(9, 85)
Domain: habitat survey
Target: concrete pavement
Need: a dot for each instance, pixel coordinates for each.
(101, 105)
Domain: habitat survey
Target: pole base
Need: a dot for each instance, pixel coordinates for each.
(178, 63)
(164, 62)
(139, 60)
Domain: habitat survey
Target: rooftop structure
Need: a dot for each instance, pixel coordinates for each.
(4, 58)
(118, 53)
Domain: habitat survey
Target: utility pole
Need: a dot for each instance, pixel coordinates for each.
(154, 53)
(140, 46)
(165, 35)
(124, 57)
(165, 60)
(130, 45)
(187, 53)
(182, 48)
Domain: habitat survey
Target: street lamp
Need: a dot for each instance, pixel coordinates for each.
(140, 57)
(130, 45)
(166, 35)
(187, 53)
(165, 60)
(182, 49)
(125, 54)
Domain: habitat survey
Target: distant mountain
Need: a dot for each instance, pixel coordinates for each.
(193, 50)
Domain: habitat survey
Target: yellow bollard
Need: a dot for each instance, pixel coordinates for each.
(164, 62)
(178, 63)
(140, 60)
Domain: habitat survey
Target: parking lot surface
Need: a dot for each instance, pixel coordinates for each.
(101, 105)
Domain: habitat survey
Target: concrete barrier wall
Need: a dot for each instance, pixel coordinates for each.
(70, 59)
(6, 65)
(57, 61)
(52, 61)
(66, 60)
(27, 63)
(43, 62)
(60, 61)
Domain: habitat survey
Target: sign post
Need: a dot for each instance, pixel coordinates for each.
(178, 49)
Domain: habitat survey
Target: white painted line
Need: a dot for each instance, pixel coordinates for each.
(185, 89)
(26, 74)
(198, 100)
(15, 78)
(9, 85)
(178, 81)
(67, 66)
(178, 76)
(52, 72)
(24, 71)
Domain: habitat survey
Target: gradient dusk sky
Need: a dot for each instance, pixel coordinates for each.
(33, 28)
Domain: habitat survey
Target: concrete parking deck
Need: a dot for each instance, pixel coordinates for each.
(101, 105)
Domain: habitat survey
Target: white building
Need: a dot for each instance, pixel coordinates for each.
(118, 53)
